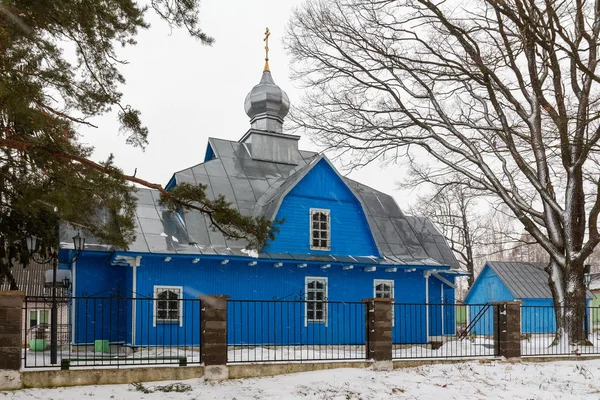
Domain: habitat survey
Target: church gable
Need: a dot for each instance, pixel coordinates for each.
(321, 217)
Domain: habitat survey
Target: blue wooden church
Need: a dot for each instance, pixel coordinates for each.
(340, 241)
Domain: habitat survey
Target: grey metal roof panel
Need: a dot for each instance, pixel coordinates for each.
(259, 186)
(345, 259)
(67, 231)
(208, 250)
(30, 279)
(232, 166)
(367, 260)
(222, 186)
(222, 250)
(197, 228)
(278, 256)
(215, 168)
(157, 243)
(447, 255)
(223, 148)
(391, 260)
(139, 245)
(524, 280)
(432, 241)
(242, 190)
(186, 177)
(239, 252)
(144, 197)
(151, 225)
(147, 212)
(394, 233)
(198, 171)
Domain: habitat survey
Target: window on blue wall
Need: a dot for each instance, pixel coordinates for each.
(320, 229)
(316, 299)
(167, 304)
(384, 289)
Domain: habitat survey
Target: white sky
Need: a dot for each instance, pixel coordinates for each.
(188, 92)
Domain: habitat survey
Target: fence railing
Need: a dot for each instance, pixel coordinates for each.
(538, 332)
(119, 331)
(442, 331)
(275, 330)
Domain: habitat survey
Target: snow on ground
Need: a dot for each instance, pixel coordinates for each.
(469, 380)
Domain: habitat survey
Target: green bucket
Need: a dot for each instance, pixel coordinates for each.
(101, 346)
(37, 344)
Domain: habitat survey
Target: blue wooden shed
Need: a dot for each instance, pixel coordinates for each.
(340, 241)
(508, 281)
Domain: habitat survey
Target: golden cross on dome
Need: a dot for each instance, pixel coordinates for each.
(266, 39)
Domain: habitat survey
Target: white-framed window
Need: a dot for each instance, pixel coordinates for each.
(316, 300)
(384, 289)
(320, 229)
(168, 307)
(37, 317)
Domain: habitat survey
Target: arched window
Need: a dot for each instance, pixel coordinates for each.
(384, 289)
(316, 299)
(167, 304)
(320, 230)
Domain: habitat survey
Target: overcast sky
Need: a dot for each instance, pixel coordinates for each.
(188, 92)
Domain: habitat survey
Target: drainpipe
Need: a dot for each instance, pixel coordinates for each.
(426, 275)
(134, 262)
(442, 306)
(73, 303)
(133, 304)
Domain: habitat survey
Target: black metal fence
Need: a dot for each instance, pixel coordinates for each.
(122, 331)
(442, 330)
(275, 330)
(119, 331)
(538, 332)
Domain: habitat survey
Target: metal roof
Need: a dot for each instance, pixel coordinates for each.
(30, 279)
(257, 188)
(594, 281)
(525, 280)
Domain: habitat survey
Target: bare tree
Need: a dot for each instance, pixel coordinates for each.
(454, 209)
(500, 237)
(503, 92)
(528, 250)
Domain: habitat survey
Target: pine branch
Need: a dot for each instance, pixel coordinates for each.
(222, 217)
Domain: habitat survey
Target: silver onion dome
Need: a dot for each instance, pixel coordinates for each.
(267, 105)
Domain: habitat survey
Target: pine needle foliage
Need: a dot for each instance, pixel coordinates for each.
(229, 221)
(59, 68)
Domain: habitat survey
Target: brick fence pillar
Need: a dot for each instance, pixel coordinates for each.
(507, 329)
(11, 334)
(213, 338)
(379, 332)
